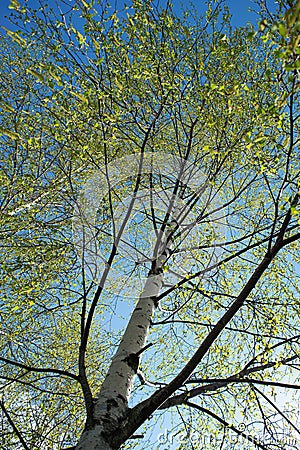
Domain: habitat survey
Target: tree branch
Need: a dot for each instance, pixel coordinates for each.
(14, 427)
(278, 410)
(143, 410)
(227, 425)
(219, 383)
(39, 369)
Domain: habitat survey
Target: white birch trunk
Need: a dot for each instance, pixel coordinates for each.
(93, 440)
(111, 405)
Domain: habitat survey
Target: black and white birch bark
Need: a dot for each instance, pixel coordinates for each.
(111, 405)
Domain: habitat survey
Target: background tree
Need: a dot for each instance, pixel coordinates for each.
(150, 221)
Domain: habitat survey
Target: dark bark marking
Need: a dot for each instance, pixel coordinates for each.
(111, 403)
(133, 361)
(122, 398)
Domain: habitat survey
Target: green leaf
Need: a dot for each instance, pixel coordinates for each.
(282, 30)
(14, 4)
(80, 96)
(10, 133)
(38, 75)
(15, 35)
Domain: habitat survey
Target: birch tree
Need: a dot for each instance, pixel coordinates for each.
(150, 223)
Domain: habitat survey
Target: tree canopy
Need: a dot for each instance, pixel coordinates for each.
(150, 227)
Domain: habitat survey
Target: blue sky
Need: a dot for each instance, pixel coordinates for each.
(239, 9)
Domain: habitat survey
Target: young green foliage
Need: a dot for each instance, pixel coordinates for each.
(174, 141)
